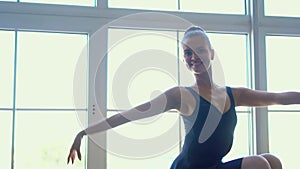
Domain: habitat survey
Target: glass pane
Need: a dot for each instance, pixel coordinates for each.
(144, 4)
(9, 0)
(7, 46)
(5, 141)
(64, 2)
(148, 143)
(213, 6)
(241, 142)
(46, 66)
(282, 8)
(284, 138)
(231, 49)
(140, 68)
(283, 66)
(43, 139)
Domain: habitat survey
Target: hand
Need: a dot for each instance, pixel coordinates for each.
(76, 148)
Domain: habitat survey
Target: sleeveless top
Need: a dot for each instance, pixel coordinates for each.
(209, 134)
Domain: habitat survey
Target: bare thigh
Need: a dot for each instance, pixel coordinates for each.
(274, 162)
(255, 162)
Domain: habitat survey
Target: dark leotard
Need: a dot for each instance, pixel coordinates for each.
(207, 152)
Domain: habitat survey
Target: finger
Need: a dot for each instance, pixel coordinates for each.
(69, 157)
(72, 158)
(79, 154)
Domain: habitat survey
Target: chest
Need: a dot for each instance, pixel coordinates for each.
(220, 100)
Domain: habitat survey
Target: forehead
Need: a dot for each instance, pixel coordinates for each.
(194, 42)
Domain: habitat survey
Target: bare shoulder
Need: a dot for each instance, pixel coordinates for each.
(180, 98)
(237, 92)
(176, 91)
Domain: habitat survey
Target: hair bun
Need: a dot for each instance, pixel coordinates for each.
(194, 28)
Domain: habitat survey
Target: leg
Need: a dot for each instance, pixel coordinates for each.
(273, 161)
(255, 162)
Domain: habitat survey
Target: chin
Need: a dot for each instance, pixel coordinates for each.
(198, 72)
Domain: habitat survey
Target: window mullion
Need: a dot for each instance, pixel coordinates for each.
(97, 108)
(14, 101)
(101, 4)
(259, 81)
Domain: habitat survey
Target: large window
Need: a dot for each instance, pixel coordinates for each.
(283, 120)
(38, 116)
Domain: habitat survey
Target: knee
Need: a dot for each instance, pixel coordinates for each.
(255, 162)
(274, 161)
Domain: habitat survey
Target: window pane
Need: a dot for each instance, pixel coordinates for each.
(241, 142)
(283, 66)
(43, 139)
(64, 2)
(144, 4)
(9, 0)
(139, 67)
(147, 143)
(213, 6)
(284, 137)
(5, 141)
(231, 49)
(282, 8)
(46, 66)
(7, 44)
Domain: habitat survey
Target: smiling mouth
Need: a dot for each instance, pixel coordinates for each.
(197, 63)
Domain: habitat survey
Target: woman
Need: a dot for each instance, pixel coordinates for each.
(204, 147)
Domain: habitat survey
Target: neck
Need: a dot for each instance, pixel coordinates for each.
(205, 80)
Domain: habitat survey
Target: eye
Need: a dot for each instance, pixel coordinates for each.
(188, 52)
(201, 50)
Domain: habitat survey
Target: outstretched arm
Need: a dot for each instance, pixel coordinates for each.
(257, 98)
(160, 104)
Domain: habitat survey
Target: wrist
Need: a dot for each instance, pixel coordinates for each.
(82, 133)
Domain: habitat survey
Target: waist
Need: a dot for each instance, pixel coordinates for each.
(194, 162)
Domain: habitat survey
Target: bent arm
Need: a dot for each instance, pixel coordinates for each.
(257, 98)
(160, 104)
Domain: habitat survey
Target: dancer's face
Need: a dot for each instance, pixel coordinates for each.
(197, 54)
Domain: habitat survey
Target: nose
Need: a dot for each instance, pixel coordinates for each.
(195, 57)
